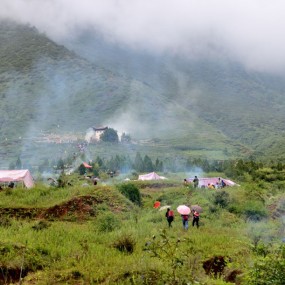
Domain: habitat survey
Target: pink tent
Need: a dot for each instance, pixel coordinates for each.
(212, 180)
(86, 165)
(23, 175)
(150, 176)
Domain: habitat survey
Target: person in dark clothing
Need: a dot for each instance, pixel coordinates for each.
(169, 216)
(11, 185)
(196, 182)
(195, 219)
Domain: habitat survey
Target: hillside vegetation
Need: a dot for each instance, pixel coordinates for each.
(112, 234)
(47, 88)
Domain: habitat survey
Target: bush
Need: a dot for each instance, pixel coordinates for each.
(132, 192)
(108, 222)
(254, 210)
(269, 269)
(5, 222)
(222, 199)
(125, 243)
(250, 209)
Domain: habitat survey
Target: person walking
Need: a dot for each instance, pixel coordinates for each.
(196, 182)
(169, 216)
(185, 219)
(195, 219)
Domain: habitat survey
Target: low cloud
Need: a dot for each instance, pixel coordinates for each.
(246, 31)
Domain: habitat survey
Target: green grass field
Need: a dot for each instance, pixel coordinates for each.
(95, 235)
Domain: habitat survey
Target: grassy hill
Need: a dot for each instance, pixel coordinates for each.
(95, 235)
(212, 109)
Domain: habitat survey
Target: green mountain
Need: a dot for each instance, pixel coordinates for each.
(214, 109)
(246, 106)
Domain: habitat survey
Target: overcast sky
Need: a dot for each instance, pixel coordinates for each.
(250, 31)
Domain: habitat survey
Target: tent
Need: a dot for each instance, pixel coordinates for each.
(23, 175)
(151, 176)
(203, 182)
(86, 165)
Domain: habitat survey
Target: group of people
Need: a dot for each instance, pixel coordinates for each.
(195, 182)
(219, 184)
(185, 218)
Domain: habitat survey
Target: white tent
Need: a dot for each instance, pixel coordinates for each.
(151, 176)
(23, 175)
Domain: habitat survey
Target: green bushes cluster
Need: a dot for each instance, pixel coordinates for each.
(268, 268)
(108, 222)
(132, 192)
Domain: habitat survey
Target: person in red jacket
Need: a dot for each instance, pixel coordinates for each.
(196, 216)
(169, 216)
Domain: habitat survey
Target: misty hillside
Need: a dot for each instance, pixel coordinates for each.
(45, 87)
(187, 106)
(248, 107)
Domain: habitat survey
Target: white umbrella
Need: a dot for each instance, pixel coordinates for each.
(164, 208)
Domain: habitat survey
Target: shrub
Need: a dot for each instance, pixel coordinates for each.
(222, 199)
(254, 210)
(108, 222)
(250, 209)
(125, 243)
(132, 192)
(269, 269)
(5, 222)
(41, 225)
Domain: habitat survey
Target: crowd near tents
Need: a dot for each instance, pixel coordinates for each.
(205, 181)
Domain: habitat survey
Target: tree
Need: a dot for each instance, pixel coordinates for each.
(19, 163)
(132, 192)
(148, 166)
(110, 135)
(138, 164)
(82, 169)
(60, 164)
(125, 138)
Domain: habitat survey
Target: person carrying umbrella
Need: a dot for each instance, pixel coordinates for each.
(169, 216)
(184, 211)
(185, 219)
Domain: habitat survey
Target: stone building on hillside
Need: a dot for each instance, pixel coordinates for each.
(93, 134)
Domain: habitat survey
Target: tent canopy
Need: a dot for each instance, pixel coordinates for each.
(86, 165)
(23, 175)
(151, 176)
(212, 180)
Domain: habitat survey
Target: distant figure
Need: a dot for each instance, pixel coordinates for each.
(195, 219)
(186, 183)
(196, 182)
(211, 186)
(11, 184)
(220, 183)
(185, 219)
(223, 184)
(169, 216)
(95, 182)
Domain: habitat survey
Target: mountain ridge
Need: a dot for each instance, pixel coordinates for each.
(179, 102)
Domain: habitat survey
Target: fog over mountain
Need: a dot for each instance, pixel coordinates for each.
(195, 76)
(245, 31)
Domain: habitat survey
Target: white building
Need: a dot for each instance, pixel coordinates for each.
(93, 134)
